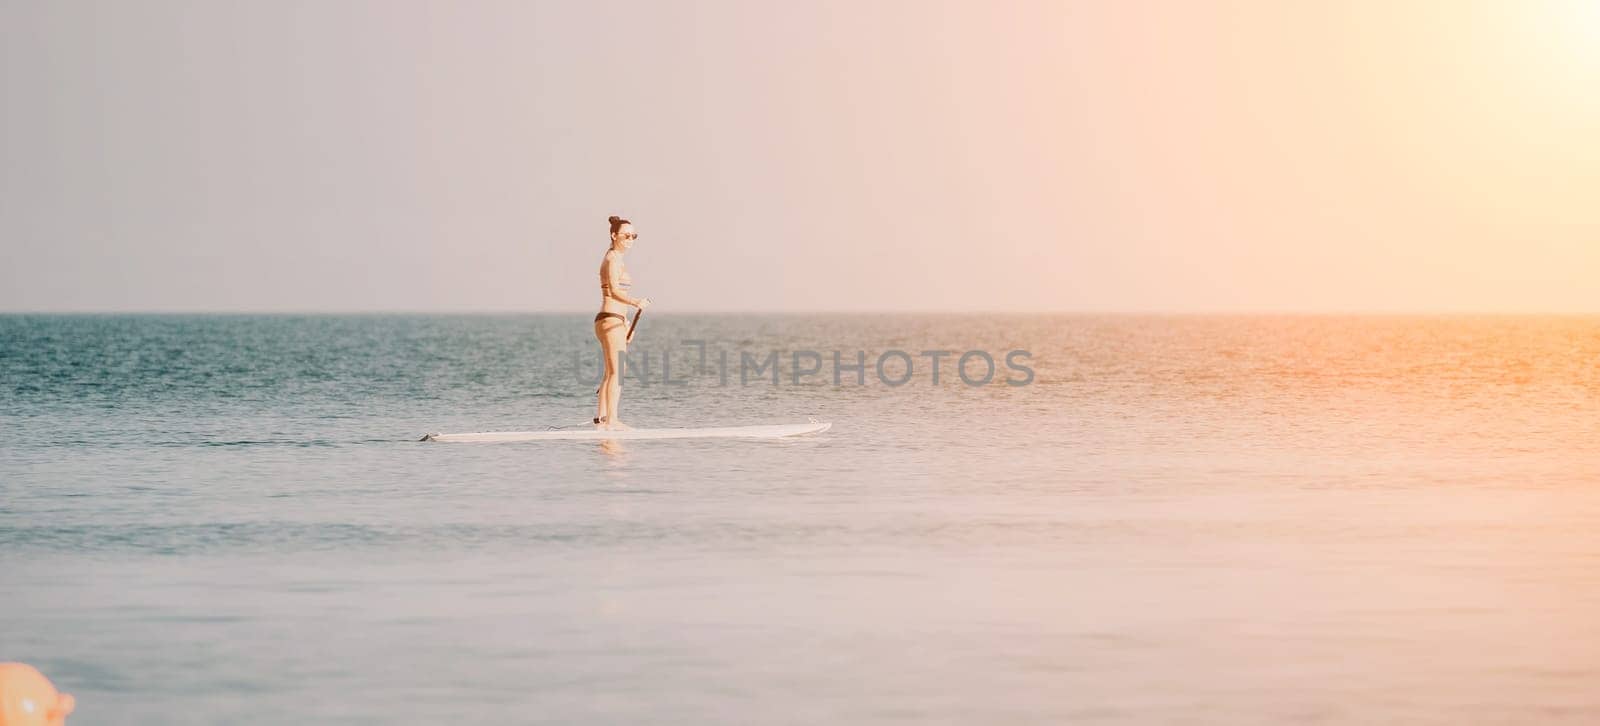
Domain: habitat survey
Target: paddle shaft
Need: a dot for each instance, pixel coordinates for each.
(636, 315)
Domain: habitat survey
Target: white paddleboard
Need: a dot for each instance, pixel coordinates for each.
(770, 431)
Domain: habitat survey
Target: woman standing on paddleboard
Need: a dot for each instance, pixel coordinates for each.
(611, 324)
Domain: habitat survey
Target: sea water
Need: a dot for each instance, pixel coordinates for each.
(1191, 519)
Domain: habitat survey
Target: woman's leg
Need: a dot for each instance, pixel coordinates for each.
(600, 393)
(612, 342)
(616, 343)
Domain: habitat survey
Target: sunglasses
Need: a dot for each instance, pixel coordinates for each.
(630, 235)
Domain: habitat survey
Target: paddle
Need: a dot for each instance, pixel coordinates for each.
(634, 324)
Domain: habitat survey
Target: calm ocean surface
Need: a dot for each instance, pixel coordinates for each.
(1200, 520)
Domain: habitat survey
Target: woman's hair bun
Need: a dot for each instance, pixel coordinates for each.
(613, 219)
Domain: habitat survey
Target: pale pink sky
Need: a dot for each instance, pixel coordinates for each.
(1021, 156)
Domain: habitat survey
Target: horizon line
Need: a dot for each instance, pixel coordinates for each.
(821, 311)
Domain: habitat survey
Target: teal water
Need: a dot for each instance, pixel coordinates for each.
(1207, 520)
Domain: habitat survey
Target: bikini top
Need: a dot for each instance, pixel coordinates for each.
(623, 280)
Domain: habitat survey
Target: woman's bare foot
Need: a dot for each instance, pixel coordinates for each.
(618, 426)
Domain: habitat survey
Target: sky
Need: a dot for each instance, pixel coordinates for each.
(1138, 156)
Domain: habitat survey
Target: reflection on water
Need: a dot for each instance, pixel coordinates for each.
(614, 449)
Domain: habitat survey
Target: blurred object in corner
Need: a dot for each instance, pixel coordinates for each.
(27, 698)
